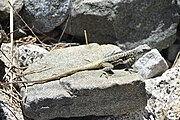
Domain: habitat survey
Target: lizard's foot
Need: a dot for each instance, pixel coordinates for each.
(107, 74)
(104, 74)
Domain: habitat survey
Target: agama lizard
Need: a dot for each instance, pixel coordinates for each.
(126, 58)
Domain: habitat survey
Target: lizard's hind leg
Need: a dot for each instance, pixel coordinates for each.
(107, 67)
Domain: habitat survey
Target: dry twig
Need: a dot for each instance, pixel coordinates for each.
(62, 32)
(176, 60)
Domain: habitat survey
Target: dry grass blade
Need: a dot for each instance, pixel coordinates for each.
(62, 32)
(86, 38)
(5, 56)
(11, 38)
(64, 28)
(177, 59)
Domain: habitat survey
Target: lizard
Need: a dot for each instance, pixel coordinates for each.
(126, 58)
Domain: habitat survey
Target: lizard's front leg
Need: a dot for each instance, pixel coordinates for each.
(107, 67)
(128, 64)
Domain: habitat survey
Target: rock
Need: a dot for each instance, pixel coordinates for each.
(28, 54)
(137, 115)
(25, 55)
(164, 102)
(151, 64)
(128, 22)
(5, 8)
(67, 59)
(172, 52)
(84, 93)
(45, 15)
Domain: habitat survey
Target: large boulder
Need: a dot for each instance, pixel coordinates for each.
(84, 93)
(164, 102)
(45, 15)
(5, 8)
(127, 22)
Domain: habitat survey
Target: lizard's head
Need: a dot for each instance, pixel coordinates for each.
(141, 49)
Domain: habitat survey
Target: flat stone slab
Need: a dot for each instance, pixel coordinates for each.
(84, 93)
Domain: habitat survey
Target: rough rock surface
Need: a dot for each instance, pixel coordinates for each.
(84, 93)
(165, 101)
(173, 51)
(132, 22)
(24, 54)
(28, 54)
(5, 10)
(45, 15)
(137, 115)
(151, 64)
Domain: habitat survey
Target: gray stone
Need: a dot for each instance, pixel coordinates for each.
(24, 55)
(45, 15)
(126, 22)
(172, 52)
(151, 64)
(137, 115)
(164, 102)
(64, 59)
(28, 54)
(86, 93)
(83, 93)
(5, 8)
